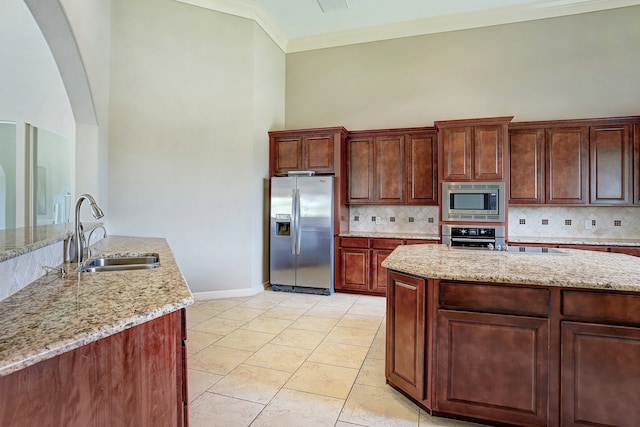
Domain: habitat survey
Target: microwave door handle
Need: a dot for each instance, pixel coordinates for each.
(471, 239)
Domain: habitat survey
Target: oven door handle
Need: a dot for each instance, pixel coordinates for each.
(471, 240)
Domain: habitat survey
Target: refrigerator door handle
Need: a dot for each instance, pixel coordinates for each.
(298, 228)
(294, 221)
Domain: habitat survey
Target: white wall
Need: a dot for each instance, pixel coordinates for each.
(571, 67)
(193, 94)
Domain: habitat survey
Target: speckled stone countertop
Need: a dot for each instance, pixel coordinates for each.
(574, 241)
(572, 268)
(391, 235)
(19, 241)
(54, 315)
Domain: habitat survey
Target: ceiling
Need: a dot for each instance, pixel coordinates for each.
(299, 25)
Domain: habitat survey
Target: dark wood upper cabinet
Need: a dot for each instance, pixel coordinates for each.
(318, 150)
(526, 166)
(567, 160)
(456, 153)
(610, 157)
(392, 167)
(388, 170)
(472, 149)
(360, 166)
(421, 151)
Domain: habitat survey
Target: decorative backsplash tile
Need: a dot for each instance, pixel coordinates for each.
(578, 222)
(399, 219)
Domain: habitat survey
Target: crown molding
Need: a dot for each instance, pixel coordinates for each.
(245, 10)
(506, 15)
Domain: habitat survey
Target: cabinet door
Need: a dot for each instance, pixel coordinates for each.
(611, 175)
(422, 174)
(526, 168)
(599, 365)
(488, 142)
(318, 153)
(360, 166)
(456, 153)
(636, 164)
(354, 270)
(378, 272)
(567, 160)
(493, 367)
(389, 169)
(406, 335)
(286, 154)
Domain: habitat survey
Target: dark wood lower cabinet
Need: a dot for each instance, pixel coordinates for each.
(515, 354)
(133, 378)
(407, 340)
(600, 375)
(493, 367)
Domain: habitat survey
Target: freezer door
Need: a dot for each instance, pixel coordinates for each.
(282, 242)
(315, 233)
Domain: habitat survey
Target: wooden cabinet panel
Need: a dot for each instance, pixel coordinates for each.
(488, 144)
(131, 378)
(494, 298)
(360, 165)
(600, 375)
(319, 150)
(389, 169)
(378, 272)
(611, 174)
(601, 307)
(493, 367)
(526, 166)
(287, 154)
(354, 267)
(354, 242)
(318, 153)
(422, 172)
(567, 157)
(636, 164)
(406, 336)
(456, 153)
(626, 250)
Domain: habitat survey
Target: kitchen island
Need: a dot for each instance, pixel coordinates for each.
(541, 339)
(103, 348)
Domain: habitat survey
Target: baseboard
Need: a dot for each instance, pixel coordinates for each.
(229, 293)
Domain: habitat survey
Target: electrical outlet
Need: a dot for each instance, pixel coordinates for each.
(378, 220)
(588, 224)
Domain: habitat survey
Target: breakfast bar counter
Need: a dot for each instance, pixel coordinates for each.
(102, 347)
(515, 338)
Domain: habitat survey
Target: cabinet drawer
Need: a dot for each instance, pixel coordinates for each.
(420, 242)
(602, 307)
(354, 242)
(494, 298)
(385, 243)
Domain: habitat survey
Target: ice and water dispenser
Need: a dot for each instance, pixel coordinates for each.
(283, 225)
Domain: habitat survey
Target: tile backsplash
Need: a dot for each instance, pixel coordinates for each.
(578, 222)
(394, 219)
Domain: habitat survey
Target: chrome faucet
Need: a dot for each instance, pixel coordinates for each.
(88, 242)
(78, 235)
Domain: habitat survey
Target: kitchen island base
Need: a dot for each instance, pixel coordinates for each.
(516, 354)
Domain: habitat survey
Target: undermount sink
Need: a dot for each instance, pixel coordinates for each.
(119, 263)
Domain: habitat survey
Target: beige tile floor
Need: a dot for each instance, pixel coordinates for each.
(281, 359)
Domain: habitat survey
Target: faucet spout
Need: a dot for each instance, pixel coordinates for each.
(78, 235)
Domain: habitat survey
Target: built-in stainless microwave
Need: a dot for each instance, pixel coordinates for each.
(473, 201)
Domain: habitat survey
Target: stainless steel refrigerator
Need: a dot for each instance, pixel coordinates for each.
(301, 241)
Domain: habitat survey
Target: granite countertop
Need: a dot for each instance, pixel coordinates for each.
(391, 235)
(570, 268)
(600, 241)
(54, 314)
(19, 241)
